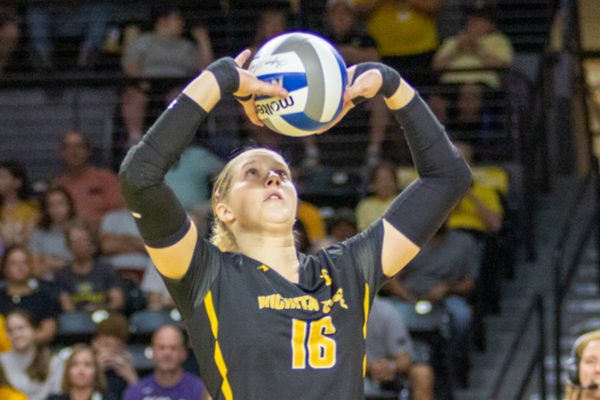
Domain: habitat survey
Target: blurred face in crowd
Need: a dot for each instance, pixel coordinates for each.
(82, 369)
(589, 368)
(271, 24)
(20, 333)
(340, 18)
(58, 207)
(478, 25)
(172, 25)
(384, 182)
(75, 150)
(81, 243)
(9, 184)
(17, 267)
(168, 349)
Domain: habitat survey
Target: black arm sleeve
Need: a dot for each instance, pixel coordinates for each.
(444, 176)
(160, 217)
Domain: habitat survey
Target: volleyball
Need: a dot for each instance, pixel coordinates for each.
(313, 73)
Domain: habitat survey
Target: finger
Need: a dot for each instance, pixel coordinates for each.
(269, 89)
(365, 85)
(350, 72)
(241, 58)
(250, 110)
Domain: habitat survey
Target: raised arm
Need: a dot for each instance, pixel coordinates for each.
(169, 235)
(444, 177)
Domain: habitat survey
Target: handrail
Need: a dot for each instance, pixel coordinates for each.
(560, 284)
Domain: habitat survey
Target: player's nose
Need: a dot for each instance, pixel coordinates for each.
(273, 179)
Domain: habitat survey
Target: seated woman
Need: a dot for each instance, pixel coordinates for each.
(29, 366)
(24, 292)
(83, 378)
(47, 244)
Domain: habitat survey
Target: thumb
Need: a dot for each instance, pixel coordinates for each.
(365, 86)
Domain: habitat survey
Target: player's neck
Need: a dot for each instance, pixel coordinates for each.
(277, 253)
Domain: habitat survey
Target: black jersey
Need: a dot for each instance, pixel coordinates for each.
(257, 335)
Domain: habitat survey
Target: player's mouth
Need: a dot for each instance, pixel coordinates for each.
(274, 196)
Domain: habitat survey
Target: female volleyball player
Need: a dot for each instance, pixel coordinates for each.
(265, 321)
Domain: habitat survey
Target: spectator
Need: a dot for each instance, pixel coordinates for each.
(53, 20)
(162, 53)
(87, 284)
(583, 366)
(405, 33)
(388, 350)
(343, 225)
(169, 381)
(24, 292)
(4, 342)
(355, 46)
(479, 46)
(83, 377)
(384, 188)
(47, 244)
(29, 366)
(122, 247)
(18, 214)
(190, 178)
(157, 295)
(444, 274)
(9, 38)
(7, 392)
(480, 212)
(109, 343)
(95, 191)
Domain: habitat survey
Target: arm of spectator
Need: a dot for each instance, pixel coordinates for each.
(156, 301)
(123, 366)
(383, 369)
(431, 7)
(496, 52)
(438, 292)
(46, 331)
(355, 55)
(111, 244)
(204, 46)
(442, 60)
(66, 304)
(116, 298)
(395, 287)
(403, 362)
(366, 7)
(463, 287)
(491, 218)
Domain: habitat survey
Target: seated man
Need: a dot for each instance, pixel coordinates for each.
(169, 381)
(86, 284)
(388, 350)
(443, 275)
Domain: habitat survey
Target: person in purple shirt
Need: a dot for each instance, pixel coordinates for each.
(168, 381)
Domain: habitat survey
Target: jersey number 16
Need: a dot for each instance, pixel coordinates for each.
(311, 343)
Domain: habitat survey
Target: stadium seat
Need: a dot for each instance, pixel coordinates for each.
(75, 327)
(143, 324)
(142, 358)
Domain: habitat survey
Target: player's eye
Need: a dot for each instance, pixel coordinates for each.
(282, 173)
(252, 172)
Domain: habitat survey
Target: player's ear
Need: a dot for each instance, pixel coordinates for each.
(224, 213)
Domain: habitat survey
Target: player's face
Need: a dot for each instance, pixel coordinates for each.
(82, 370)
(262, 194)
(58, 207)
(589, 367)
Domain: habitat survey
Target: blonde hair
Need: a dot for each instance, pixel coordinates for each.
(221, 236)
(99, 376)
(573, 392)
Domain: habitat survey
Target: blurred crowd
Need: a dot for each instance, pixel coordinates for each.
(74, 268)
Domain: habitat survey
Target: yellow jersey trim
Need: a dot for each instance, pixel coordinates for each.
(366, 315)
(219, 360)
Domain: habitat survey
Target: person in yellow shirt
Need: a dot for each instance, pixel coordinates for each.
(7, 392)
(4, 341)
(385, 189)
(18, 215)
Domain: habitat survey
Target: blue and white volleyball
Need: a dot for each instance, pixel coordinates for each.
(313, 73)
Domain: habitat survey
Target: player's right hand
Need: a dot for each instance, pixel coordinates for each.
(250, 86)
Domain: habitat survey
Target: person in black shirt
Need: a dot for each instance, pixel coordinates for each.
(265, 321)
